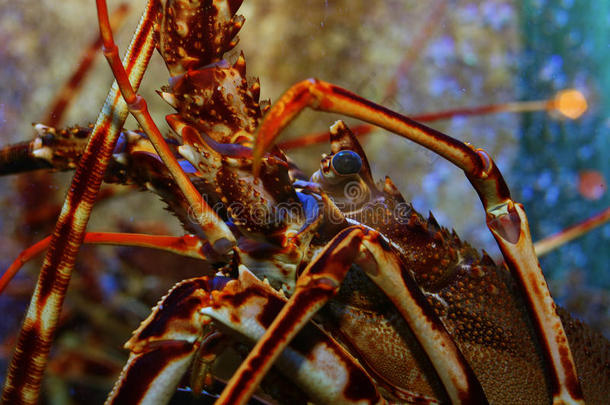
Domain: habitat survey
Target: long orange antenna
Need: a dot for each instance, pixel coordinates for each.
(554, 241)
(569, 103)
(71, 86)
(186, 245)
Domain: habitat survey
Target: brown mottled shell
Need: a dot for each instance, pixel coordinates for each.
(219, 102)
(190, 36)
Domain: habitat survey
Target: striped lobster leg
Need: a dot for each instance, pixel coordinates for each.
(322, 279)
(506, 219)
(186, 320)
(22, 385)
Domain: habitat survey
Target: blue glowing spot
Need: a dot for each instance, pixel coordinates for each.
(552, 68)
(437, 86)
(497, 16)
(457, 124)
(431, 182)
(187, 166)
(585, 152)
(545, 179)
(551, 196)
(108, 285)
(441, 50)
(527, 193)
(561, 17)
(468, 14)
(574, 37)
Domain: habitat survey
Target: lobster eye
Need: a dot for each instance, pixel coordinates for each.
(346, 162)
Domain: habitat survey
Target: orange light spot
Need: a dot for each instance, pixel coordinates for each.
(591, 184)
(571, 103)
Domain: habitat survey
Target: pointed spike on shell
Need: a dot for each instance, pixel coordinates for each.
(414, 220)
(446, 234)
(439, 237)
(417, 222)
(175, 123)
(487, 260)
(245, 279)
(265, 105)
(42, 129)
(338, 131)
(432, 221)
(233, 44)
(281, 292)
(234, 5)
(390, 188)
(169, 98)
(240, 64)
(238, 22)
(255, 89)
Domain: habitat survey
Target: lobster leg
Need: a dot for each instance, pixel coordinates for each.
(505, 218)
(165, 344)
(322, 279)
(27, 365)
(163, 347)
(216, 231)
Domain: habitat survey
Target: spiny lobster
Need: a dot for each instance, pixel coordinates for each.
(272, 221)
